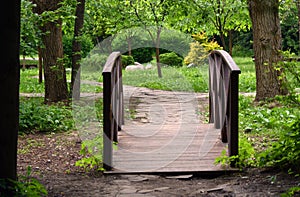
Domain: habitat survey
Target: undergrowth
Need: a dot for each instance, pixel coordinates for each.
(35, 116)
(25, 186)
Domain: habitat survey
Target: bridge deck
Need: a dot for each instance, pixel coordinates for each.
(164, 134)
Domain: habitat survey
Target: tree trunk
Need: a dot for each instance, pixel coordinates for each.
(54, 71)
(76, 50)
(24, 62)
(266, 45)
(157, 45)
(298, 8)
(40, 65)
(9, 88)
(230, 42)
(129, 45)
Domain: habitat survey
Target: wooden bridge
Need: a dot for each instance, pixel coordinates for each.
(165, 135)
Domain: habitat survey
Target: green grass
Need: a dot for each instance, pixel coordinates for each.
(174, 79)
(29, 82)
(189, 79)
(247, 78)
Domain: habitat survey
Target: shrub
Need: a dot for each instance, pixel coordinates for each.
(38, 117)
(200, 49)
(127, 60)
(143, 55)
(171, 59)
(285, 153)
(94, 62)
(87, 45)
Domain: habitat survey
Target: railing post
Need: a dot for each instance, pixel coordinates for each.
(107, 118)
(234, 114)
(112, 106)
(223, 101)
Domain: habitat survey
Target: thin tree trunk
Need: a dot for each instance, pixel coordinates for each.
(129, 45)
(298, 8)
(9, 88)
(157, 45)
(40, 65)
(76, 50)
(24, 62)
(230, 42)
(223, 40)
(266, 44)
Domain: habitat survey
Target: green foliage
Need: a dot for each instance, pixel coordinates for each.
(30, 33)
(200, 49)
(143, 55)
(289, 25)
(26, 186)
(244, 159)
(92, 154)
(94, 62)
(247, 78)
(285, 153)
(38, 117)
(293, 191)
(86, 46)
(127, 60)
(171, 59)
(273, 129)
(290, 74)
(89, 116)
(29, 81)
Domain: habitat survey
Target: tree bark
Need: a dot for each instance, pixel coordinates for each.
(54, 71)
(298, 8)
(266, 45)
(40, 65)
(9, 88)
(157, 45)
(76, 50)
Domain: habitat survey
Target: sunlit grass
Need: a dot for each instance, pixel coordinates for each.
(174, 79)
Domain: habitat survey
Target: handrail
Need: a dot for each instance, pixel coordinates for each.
(113, 109)
(223, 97)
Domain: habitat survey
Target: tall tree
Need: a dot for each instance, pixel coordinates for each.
(266, 44)
(52, 52)
(76, 49)
(298, 8)
(9, 87)
(152, 14)
(222, 17)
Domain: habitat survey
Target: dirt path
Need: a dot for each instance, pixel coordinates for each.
(53, 157)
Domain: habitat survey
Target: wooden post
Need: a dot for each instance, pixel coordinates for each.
(107, 118)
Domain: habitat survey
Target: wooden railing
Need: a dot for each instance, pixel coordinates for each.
(113, 109)
(223, 97)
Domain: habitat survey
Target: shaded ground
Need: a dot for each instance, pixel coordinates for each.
(53, 157)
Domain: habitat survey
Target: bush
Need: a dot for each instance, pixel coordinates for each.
(127, 60)
(94, 62)
(38, 117)
(171, 59)
(87, 46)
(143, 55)
(200, 50)
(285, 153)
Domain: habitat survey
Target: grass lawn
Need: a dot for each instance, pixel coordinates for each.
(189, 79)
(29, 81)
